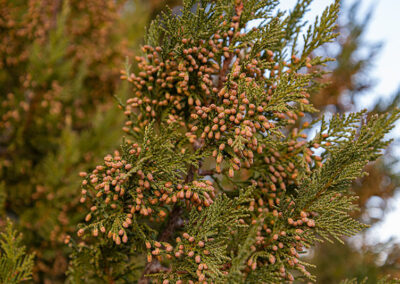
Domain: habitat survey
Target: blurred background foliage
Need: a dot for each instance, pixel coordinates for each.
(59, 69)
(348, 80)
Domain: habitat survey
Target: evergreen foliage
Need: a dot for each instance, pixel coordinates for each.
(15, 265)
(217, 180)
(345, 86)
(60, 64)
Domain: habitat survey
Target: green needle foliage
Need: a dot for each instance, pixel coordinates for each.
(59, 67)
(15, 265)
(218, 180)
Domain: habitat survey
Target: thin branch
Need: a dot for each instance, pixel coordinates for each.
(224, 71)
(175, 221)
(206, 173)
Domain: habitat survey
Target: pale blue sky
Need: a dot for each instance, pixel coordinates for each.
(384, 27)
